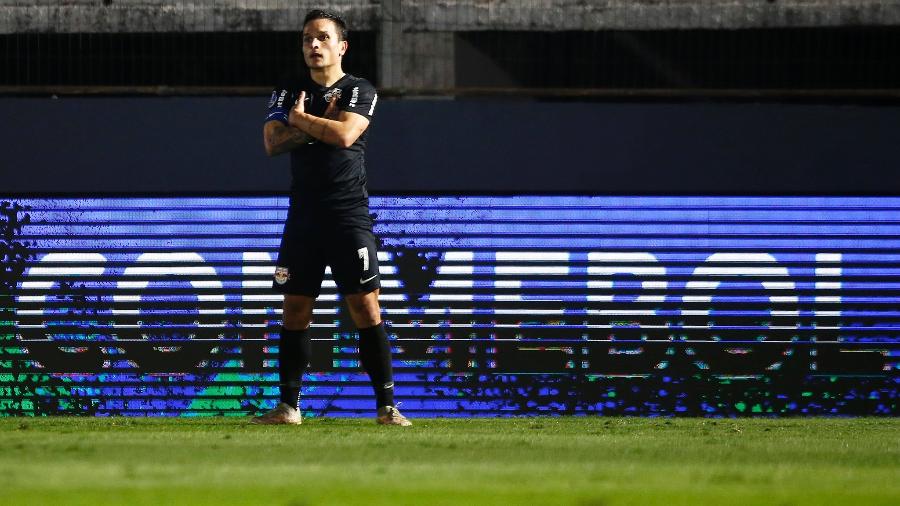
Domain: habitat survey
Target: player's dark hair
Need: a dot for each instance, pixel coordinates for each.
(333, 16)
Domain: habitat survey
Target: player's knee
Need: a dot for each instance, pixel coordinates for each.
(296, 321)
(297, 313)
(359, 304)
(365, 310)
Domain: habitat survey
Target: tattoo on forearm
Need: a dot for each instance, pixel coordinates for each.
(299, 137)
(313, 122)
(282, 139)
(309, 128)
(322, 133)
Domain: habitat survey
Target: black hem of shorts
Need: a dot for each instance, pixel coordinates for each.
(285, 291)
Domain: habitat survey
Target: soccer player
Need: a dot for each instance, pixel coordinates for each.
(322, 119)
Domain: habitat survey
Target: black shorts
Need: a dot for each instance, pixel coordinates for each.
(309, 244)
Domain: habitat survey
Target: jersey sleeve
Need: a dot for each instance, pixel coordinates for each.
(359, 97)
(280, 104)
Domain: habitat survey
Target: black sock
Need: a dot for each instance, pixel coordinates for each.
(375, 356)
(294, 350)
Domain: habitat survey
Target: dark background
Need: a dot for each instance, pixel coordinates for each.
(214, 144)
(846, 59)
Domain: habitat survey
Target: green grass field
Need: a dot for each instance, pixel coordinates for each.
(535, 461)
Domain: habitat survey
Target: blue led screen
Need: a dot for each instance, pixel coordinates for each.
(496, 305)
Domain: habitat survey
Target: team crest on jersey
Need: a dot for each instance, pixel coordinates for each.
(282, 275)
(335, 92)
(273, 99)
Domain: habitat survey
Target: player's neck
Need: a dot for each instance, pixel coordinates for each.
(326, 76)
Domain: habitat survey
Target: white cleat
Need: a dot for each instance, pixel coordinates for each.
(283, 414)
(389, 415)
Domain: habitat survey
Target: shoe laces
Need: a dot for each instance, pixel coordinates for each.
(284, 408)
(394, 413)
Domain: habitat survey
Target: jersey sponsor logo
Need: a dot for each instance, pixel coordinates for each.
(281, 98)
(334, 92)
(282, 275)
(354, 97)
(374, 101)
(273, 98)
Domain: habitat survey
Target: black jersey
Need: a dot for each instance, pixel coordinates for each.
(326, 178)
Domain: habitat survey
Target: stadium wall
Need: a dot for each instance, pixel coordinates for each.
(528, 267)
(210, 145)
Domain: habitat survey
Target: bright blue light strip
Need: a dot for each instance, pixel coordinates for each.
(270, 243)
(707, 203)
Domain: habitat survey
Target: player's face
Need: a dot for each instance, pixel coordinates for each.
(321, 44)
